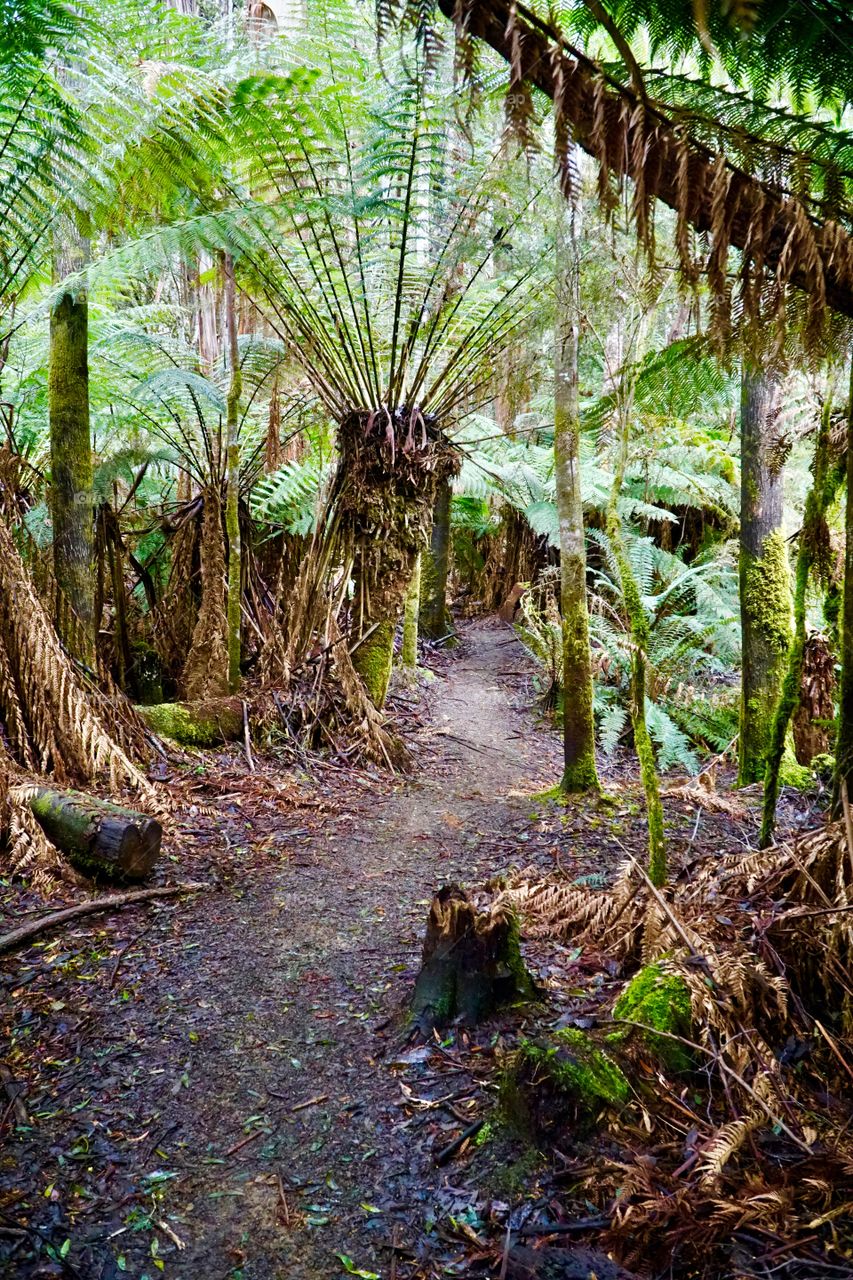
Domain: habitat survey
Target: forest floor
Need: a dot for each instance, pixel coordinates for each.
(221, 1087)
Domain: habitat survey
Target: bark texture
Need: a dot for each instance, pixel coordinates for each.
(579, 771)
(71, 490)
(434, 618)
(844, 740)
(409, 652)
(765, 582)
(232, 502)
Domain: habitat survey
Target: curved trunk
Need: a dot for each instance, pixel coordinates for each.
(814, 536)
(765, 584)
(71, 490)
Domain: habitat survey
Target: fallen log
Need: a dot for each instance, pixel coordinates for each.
(97, 837)
(471, 962)
(196, 724)
(33, 928)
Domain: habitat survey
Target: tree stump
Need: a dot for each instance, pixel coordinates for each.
(471, 962)
(99, 838)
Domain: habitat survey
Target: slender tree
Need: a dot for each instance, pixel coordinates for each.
(436, 565)
(844, 740)
(579, 772)
(232, 502)
(812, 553)
(72, 497)
(765, 584)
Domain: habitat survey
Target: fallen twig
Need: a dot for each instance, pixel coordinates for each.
(448, 1152)
(26, 931)
(311, 1102)
(244, 1142)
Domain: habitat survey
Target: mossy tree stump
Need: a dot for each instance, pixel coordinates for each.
(558, 1079)
(99, 838)
(471, 962)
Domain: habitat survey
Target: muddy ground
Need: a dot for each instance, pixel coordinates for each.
(221, 1088)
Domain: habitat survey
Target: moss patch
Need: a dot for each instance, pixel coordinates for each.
(661, 1000)
(200, 724)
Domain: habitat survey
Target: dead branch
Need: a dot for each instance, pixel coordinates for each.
(14, 938)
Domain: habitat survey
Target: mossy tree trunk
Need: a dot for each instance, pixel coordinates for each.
(638, 627)
(814, 544)
(71, 488)
(434, 622)
(844, 740)
(232, 502)
(765, 582)
(409, 652)
(579, 771)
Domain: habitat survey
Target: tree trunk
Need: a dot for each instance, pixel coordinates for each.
(765, 584)
(579, 772)
(434, 621)
(232, 504)
(638, 627)
(471, 962)
(206, 670)
(409, 654)
(98, 838)
(814, 536)
(71, 489)
(844, 741)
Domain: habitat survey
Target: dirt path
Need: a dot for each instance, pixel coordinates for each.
(234, 1081)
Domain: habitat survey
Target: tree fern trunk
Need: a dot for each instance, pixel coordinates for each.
(71, 490)
(579, 772)
(765, 586)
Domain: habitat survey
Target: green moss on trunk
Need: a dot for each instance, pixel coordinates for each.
(71, 487)
(765, 587)
(579, 771)
(434, 620)
(844, 741)
(374, 659)
(568, 1064)
(409, 653)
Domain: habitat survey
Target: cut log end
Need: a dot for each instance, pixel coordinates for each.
(98, 838)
